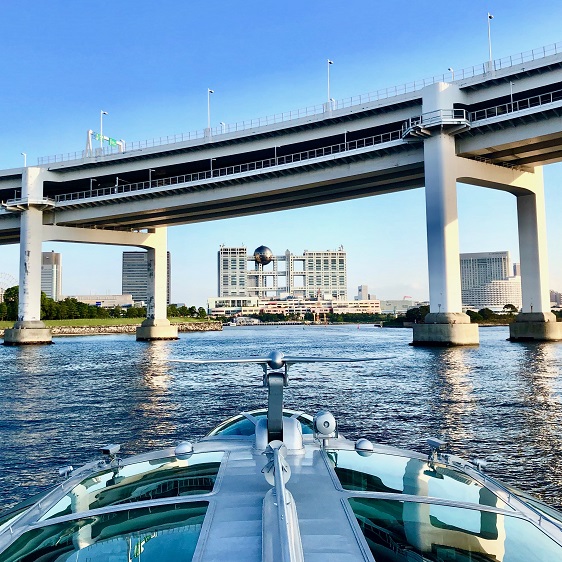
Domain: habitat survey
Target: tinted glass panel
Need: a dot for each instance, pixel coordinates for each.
(379, 472)
(150, 480)
(399, 531)
(156, 534)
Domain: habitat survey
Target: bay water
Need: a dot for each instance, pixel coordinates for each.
(500, 401)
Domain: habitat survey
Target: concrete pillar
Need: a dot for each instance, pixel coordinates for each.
(29, 329)
(536, 321)
(445, 324)
(157, 326)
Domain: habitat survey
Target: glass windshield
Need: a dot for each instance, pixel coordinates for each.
(378, 472)
(158, 533)
(241, 425)
(399, 531)
(155, 479)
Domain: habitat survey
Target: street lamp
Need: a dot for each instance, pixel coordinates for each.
(102, 113)
(24, 159)
(212, 166)
(223, 127)
(92, 180)
(490, 18)
(330, 63)
(452, 71)
(511, 94)
(150, 176)
(209, 92)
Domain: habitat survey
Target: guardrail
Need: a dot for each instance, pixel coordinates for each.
(519, 105)
(233, 170)
(434, 118)
(383, 93)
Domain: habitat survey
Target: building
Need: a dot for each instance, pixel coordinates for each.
(236, 306)
(261, 274)
(555, 299)
(105, 301)
(51, 275)
(134, 279)
(486, 281)
(396, 306)
(362, 293)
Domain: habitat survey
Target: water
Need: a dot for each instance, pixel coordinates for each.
(500, 401)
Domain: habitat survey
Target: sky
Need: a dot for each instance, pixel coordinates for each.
(149, 66)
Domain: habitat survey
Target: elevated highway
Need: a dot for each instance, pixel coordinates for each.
(494, 128)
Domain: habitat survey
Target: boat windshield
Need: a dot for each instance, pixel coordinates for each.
(167, 532)
(378, 472)
(403, 531)
(149, 480)
(242, 425)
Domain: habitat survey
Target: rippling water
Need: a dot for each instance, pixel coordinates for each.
(500, 401)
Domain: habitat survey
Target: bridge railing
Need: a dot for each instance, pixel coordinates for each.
(380, 94)
(517, 105)
(233, 170)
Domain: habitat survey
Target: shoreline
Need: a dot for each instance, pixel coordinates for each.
(126, 329)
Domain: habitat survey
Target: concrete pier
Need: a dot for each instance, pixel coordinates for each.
(535, 326)
(445, 329)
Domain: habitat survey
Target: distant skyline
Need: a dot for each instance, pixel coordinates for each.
(150, 69)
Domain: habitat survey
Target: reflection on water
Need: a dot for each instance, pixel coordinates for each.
(500, 401)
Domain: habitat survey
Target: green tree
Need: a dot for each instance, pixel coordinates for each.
(11, 298)
(3, 311)
(201, 312)
(510, 308)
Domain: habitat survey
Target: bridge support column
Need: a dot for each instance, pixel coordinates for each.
(29, 329)
(536, 322)
(157, 326)
(446, 324)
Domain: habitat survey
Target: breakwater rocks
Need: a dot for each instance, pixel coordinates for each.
(127, 329)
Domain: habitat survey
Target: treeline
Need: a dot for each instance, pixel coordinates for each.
(352, 318)
(70, 308)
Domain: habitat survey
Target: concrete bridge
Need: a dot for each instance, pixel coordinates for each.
(494, 126)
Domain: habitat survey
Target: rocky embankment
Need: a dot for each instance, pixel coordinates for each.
(127, 329)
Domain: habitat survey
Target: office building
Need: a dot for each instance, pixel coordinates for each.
(313, 274)
(51, 275)
(486, 282)
(135, 276)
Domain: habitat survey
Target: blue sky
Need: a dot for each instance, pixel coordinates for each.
(149, 66)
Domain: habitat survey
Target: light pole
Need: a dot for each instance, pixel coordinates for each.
(92, 180)
(102, 113)
(490, 18)
(223, 127)
(150, 176)
(212, 166)
(209, 92)
(452, 71)
(511, 94)
(330, 63)
(24, 159)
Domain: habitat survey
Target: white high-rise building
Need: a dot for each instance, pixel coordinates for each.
(310, 275)
(486, 281)
(51, 275)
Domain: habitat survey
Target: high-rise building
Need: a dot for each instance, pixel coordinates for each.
(310, 275)
(363, 293)
(135, 275)
(486, 283)
(51, 275)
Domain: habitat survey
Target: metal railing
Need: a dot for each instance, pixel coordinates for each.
(382, 93)
(519, 105)
(436, 117)
(234, 170)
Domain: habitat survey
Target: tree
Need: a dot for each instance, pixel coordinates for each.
(201, 312)
(3, 311)
(11, 298)
(510, 308)
(486, 314)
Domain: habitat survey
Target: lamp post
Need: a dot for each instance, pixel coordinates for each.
(223, 127)
(150, 170)
(511, 94)
(452, 71)
(102, 113)
(92, 180)
(490, 18)
(209, 92)
(330, 63)
(24, 159)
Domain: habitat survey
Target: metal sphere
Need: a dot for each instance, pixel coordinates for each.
(263, 255)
